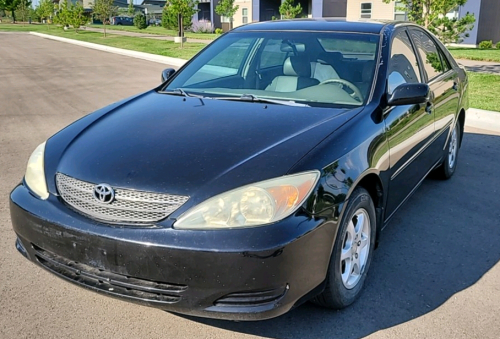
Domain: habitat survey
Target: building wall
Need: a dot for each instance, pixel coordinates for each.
(489, 21)
(380, 10)
(317, 8)
(473, 7)
(333, 8)
(238, 16)
(255, 10)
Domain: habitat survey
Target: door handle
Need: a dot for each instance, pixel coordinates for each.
(429, 107)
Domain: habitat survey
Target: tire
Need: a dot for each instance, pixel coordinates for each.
(343, 288)
(447, 168)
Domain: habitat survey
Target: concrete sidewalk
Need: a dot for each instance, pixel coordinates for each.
(480, 66)
(176, 62)
(482, 119)
(145, 35)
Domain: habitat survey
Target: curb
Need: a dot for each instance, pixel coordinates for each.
(476, 118)
(134, 54)
(482, 119)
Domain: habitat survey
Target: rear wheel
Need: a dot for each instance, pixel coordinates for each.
(449, 165)
(352, 253)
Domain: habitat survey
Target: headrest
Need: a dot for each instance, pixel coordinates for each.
(330, 58)
(297, 66)
(288, 47)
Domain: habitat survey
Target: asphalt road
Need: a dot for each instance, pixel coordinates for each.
(435, 275)
(480, 66)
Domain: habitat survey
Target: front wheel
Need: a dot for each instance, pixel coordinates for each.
(352, 253)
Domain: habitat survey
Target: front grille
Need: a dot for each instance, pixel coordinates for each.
(129, 206)
(253, 298)
(109, 282)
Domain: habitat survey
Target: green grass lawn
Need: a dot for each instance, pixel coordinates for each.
(476, 54)
(150, 30)
(160, 47)
(484, 91)
(157, 30)
(8, 27)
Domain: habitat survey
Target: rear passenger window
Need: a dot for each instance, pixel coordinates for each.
(429, 54)
(272, 55)
(403, 65)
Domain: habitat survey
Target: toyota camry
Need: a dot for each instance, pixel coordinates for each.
(255, 178)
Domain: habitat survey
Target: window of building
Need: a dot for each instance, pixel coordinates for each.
(366, 10)
(399, 11)
(454, 13)
(244, 15)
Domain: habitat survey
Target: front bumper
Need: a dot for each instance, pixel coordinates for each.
(246, 274)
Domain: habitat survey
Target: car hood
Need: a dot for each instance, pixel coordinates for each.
(187, 146)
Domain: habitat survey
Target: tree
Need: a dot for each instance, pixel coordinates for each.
(33, 14)
(168, 19)
(227, 9)
(77, 17)
(63, 14)
(187, 8)
(103, 10)
(131, 9)
(288, 10)
(45, 10)
(24, 9)
(140, 21)
(10, 6)
(432, 14)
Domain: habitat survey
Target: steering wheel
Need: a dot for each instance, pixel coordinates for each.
(356, 92)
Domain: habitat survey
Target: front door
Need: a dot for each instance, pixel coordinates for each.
(410, 128)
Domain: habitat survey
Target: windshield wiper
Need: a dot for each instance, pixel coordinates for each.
(180, 91)
(253, 98)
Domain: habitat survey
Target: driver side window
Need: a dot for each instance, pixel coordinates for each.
(403, 66)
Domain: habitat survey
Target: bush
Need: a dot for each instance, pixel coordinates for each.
(486, 44)
(140, 21)
(498, 45)
(219, 31)
(202, 26)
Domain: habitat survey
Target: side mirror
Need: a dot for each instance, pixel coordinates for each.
(409, 94)
(167, 74)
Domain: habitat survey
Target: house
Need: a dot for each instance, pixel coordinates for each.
(487, 26)
(486, 12)
(152, 8)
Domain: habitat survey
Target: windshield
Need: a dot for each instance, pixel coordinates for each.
(312, 68)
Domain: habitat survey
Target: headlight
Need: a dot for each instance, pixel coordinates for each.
(253, 205)
(35, 173)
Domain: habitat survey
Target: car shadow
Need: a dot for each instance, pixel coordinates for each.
(442, 241)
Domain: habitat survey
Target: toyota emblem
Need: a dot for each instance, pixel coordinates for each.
(104, 193)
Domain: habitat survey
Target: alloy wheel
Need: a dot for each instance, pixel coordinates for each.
(452, 151)
(355, 248)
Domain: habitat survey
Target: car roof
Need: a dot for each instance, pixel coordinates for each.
(337, 25)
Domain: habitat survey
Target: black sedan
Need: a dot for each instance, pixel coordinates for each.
(255, 178)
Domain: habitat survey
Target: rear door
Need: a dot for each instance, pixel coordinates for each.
(443, 82)
(410, 128)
